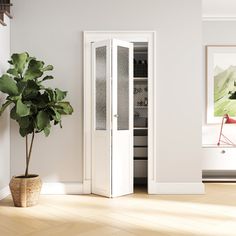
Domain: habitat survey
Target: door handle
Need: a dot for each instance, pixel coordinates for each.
(116, 115)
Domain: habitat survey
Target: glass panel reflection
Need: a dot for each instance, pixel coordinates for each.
(101, 88)
(123, 88)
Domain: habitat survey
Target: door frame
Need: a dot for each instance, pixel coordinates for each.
(131, 36)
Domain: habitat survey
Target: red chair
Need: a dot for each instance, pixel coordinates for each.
(222, 138)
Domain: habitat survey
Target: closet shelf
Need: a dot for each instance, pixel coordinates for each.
(140, 79)
(140, 158)
(141, 128)
(141, 107)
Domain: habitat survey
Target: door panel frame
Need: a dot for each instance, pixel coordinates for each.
(101, 185)
(131, 36)
(121, 138)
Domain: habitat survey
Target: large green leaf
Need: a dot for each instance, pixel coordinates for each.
(42, 120)
(31, 90)
(56, 115)
(24, 122)
(60, 95)
(13, 72)
(41, 101)
(4, 106)
(48, 77)
(47, 68)
(34, 70)
(22, 109)
(46, 130)
(19, 61)
(64, 108)
(51, 94)
(13, 114)
(8, 85)
(21, 86)
(24, 131)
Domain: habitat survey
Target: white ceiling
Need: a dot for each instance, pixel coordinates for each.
(219, 9)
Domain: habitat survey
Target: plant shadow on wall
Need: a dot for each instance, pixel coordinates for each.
(35, 108)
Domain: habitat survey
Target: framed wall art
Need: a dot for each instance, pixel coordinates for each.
(221, 82)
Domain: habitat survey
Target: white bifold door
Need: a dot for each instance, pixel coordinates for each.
(112, 118)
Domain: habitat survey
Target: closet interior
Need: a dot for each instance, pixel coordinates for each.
(140, 113)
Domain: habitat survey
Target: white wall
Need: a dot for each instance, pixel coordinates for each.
(218, 33)
(218, 8)
(52, 30)
(4, 119)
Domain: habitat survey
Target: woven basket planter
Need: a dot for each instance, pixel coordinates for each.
(25, 191)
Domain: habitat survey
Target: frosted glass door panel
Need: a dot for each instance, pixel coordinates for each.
(101, 88)
(123, 88)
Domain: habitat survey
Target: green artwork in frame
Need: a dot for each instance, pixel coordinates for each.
(221, 82)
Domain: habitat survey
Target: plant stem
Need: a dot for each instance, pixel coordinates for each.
(28, 153)
(26, 150)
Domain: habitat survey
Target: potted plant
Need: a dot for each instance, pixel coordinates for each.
(35, 107)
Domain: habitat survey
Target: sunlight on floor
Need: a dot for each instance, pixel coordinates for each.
(137, 214)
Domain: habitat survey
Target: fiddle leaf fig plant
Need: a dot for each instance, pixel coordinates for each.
(34, 106)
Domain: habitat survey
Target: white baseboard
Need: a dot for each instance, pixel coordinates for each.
(87, 187)
(80, 188)
(4, 192)
(219, 18)
(62, 188)
(177, 188)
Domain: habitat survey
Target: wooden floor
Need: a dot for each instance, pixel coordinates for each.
(139, 214)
